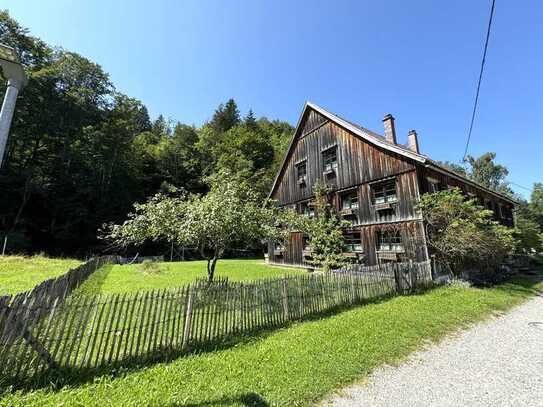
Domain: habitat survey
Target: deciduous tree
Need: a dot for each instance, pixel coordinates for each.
(462, 234)
(230, 215)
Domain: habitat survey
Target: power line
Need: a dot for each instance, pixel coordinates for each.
(480, 79)
(520, 186)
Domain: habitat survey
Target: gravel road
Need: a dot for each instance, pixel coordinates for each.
(495, 363)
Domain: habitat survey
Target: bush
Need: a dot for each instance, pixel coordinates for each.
(149, 267)
(458, 283)
(462, 234)
(325, 232)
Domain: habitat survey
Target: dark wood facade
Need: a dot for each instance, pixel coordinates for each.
(375, 184)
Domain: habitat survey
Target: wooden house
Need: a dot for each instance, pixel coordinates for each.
(376, 183)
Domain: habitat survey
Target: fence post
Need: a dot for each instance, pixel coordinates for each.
(186, 329)
(284, 295)
(353, 288)
(398, 278)
(413, 276)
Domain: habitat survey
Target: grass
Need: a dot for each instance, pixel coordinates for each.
(21, 273)
(294, 366)
(132, 278)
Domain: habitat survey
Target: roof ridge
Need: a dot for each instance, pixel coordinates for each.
(369, 132)
(378, 140)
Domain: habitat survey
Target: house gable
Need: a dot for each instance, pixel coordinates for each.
(359, 159)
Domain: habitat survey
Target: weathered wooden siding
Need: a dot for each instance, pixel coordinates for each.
(404, 209)
(413, 240)
(360, 165)
(358, 161)
(292, 252)
(412, 233)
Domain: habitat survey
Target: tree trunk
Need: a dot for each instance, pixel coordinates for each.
(211, 263)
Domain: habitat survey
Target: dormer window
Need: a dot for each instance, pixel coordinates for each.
(329, 160)
(301, 172)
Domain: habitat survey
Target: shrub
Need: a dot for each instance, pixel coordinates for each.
(458, 283)
(462, 234)
(326, 232)
(149, 267)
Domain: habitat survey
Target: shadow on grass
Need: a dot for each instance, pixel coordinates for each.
(56, 379)
(521, 286)
(93, 285)
(245, 399)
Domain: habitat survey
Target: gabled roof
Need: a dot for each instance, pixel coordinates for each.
(379, 141)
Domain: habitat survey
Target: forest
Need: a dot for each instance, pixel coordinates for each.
(80, 152)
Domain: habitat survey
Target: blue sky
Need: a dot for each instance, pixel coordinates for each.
(418, 60)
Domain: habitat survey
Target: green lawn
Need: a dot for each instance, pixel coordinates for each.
(294, 366)
(131, 278)
(19, 273)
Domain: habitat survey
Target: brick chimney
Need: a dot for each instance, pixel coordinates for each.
(390, 131)
(413, 142)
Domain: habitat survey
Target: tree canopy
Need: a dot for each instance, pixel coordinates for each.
(80, 153)
(483, 170)
(230, 215)
(487, 173)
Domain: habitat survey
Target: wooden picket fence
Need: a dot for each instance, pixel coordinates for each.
(408, 275)
(81, 333)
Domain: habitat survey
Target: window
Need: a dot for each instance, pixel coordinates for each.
(353, 242)
(499, 211)
(433, 185)
(329, 159)
(507, 212)
(390, 241)
(306, 245)
(278, 249)
(301, 172)
(488, 204)
(349, 207)
(384, 192)
(349, 201)
(307, 209)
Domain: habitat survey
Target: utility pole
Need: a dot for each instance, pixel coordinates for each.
(16, 77)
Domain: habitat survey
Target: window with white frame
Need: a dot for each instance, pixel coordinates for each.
(384, 192)
(329, 159)
(352, 241)
(389, 241)
(349, 200)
